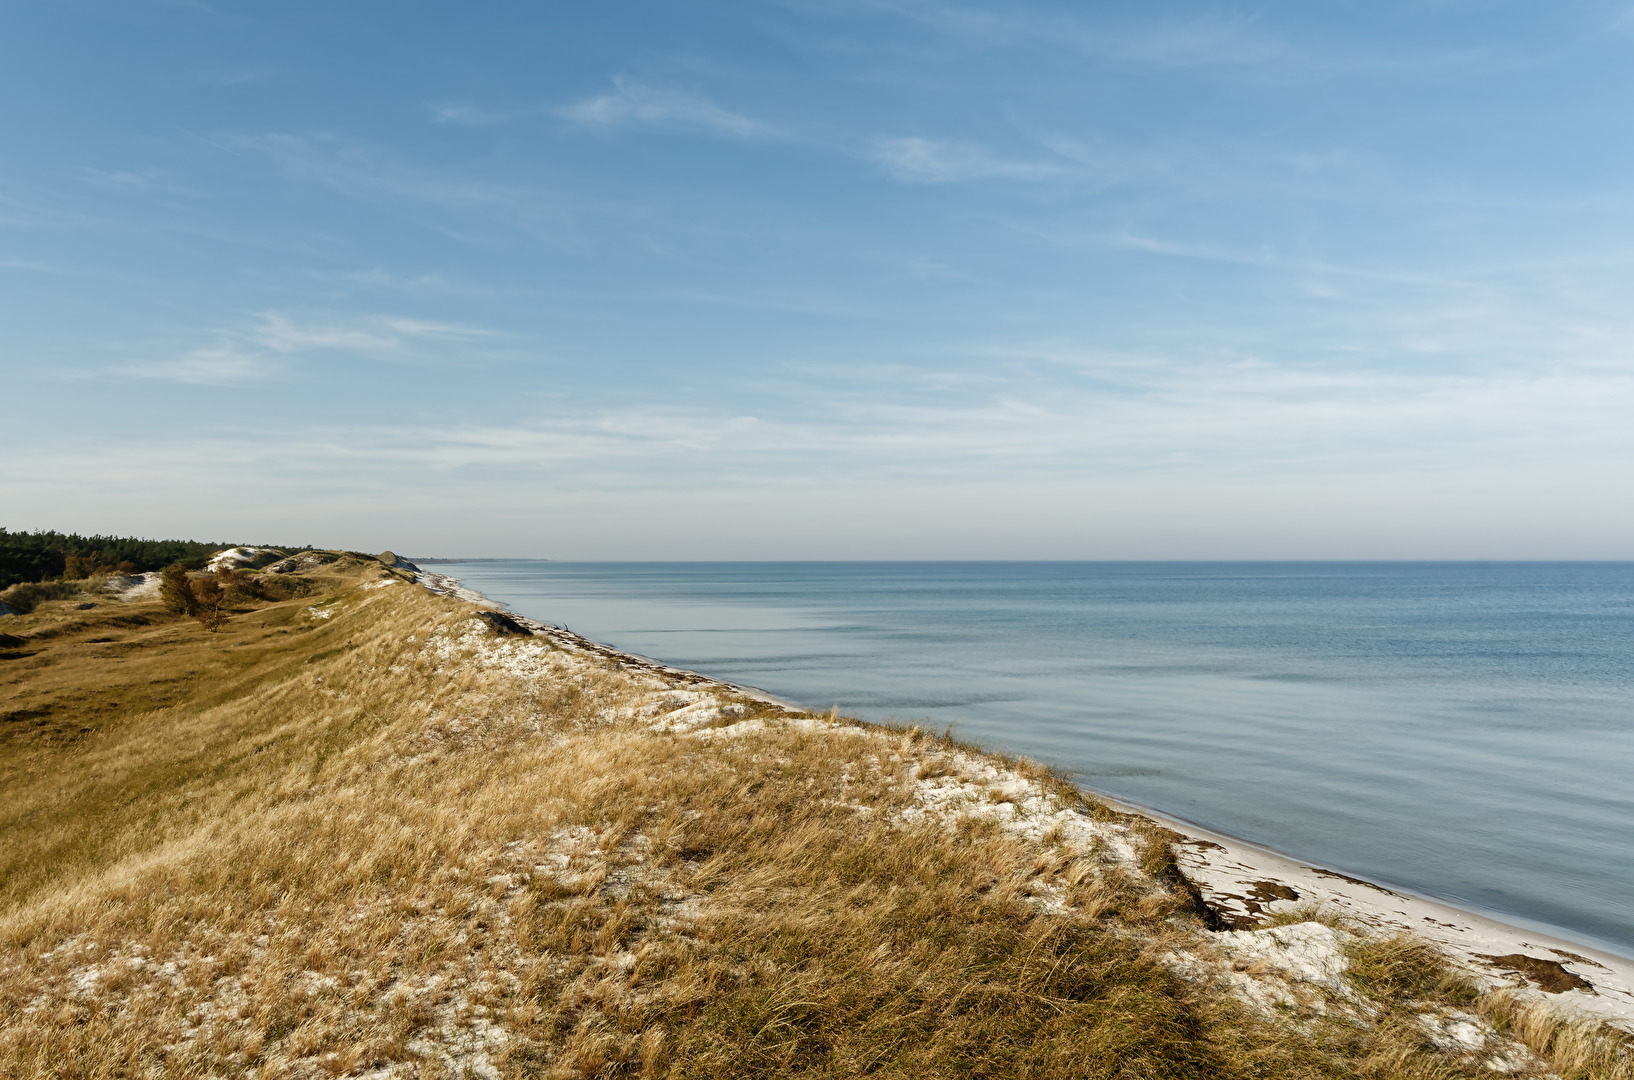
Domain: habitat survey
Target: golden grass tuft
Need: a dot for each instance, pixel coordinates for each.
(1573, 1049)
(1402, 968)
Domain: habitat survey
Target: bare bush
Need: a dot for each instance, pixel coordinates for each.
(209, 595)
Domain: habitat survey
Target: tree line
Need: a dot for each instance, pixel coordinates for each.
(44, 556)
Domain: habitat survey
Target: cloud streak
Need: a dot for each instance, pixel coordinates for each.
(212, 365)
(918, 160)
(264, 347)
(1219, 42)
(1039, 411)
(466, 115)
(633, 104)
(356, 168)
(1209, 39)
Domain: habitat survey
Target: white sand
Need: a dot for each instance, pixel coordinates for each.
(134, 586)
(1243, 880)
(233, 558)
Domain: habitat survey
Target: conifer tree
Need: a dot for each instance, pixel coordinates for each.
(176, 591)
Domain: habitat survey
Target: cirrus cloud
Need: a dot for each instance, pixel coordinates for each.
(632, 104)
(916, 160)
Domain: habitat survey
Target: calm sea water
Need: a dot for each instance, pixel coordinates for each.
(1462, 731)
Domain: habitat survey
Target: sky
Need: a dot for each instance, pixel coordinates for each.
(823, 280)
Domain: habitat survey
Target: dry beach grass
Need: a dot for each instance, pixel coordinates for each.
(360, 833)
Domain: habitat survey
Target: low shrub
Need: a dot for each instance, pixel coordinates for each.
(242, 587)
(25, 597)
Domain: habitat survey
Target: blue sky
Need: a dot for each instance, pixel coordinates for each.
(823, 280)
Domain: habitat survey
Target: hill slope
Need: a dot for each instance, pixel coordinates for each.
(370, 831)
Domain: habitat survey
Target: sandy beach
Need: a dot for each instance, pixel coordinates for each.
(1245, 882)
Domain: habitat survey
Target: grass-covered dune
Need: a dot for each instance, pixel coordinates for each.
(363, 831)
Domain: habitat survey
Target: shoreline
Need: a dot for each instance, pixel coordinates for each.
(1557, 934)
(561, 636)
(1245, 882)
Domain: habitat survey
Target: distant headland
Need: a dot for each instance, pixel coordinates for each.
(434, 561)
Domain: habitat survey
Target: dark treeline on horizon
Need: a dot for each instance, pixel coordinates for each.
(41, 556)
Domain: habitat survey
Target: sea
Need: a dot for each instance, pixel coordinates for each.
(1463, 731)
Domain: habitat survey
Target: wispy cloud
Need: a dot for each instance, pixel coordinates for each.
(632, 104)
(464, 115)
(1204, 39)
(264, 346)
(373, 333)
(1221, 41)
(150, 182)
(1209, 39)
(279, 333)
(118, 179)
(213, 365)
(1149, 413)
(628, 104)
(621, 438)
(362, 170)
(357, 168)
(1110, 414)
(1044, 435)
(424, 284)
(917, 160)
